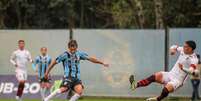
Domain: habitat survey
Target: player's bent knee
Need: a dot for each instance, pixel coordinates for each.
(170, 87)
(78, 89)
(159, 77)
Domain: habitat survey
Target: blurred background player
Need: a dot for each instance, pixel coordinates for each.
(71, 62)
(195, 80)
(186, 64)
(19, 59)
(43, 61)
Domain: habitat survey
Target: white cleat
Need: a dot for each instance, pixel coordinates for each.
(132, 82)
(18, 98)
(152, 99)
(45, 100)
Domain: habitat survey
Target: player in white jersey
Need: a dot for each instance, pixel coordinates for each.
(186, 64)
(19, 59)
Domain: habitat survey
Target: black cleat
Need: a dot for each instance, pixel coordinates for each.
(132, 82)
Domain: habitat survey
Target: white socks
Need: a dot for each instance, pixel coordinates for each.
(58, 91)
(44, 92)
(75, 97)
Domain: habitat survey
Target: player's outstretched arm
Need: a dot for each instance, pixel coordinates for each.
(53, 63)
(94, 60)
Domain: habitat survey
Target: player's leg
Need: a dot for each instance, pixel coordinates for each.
(171, 86)
(42, 90)
(193, 93)
(21, 77)
(157, 77)
(198, 94)
(56, 92)
(65, 86)
(20, 90)
(78, 92)
(165, 92)
(47, 88)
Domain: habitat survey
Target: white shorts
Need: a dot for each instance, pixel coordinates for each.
(169, 79)
(21, 76)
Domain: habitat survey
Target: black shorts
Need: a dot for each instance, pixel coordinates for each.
(44, 80)
(71, 82)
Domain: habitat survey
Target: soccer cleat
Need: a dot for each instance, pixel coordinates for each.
(152, 99)
(45, 100)
(18, 98)
(133, 82)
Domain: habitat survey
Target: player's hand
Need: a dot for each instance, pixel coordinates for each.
(173, 51)
(16, 65)
(180, 66)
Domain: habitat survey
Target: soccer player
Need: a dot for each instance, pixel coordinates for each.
(71, 65)
(172, 80)
(19, 59)
(43, 61)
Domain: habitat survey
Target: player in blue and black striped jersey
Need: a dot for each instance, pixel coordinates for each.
(71, 65)
(42, 62)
